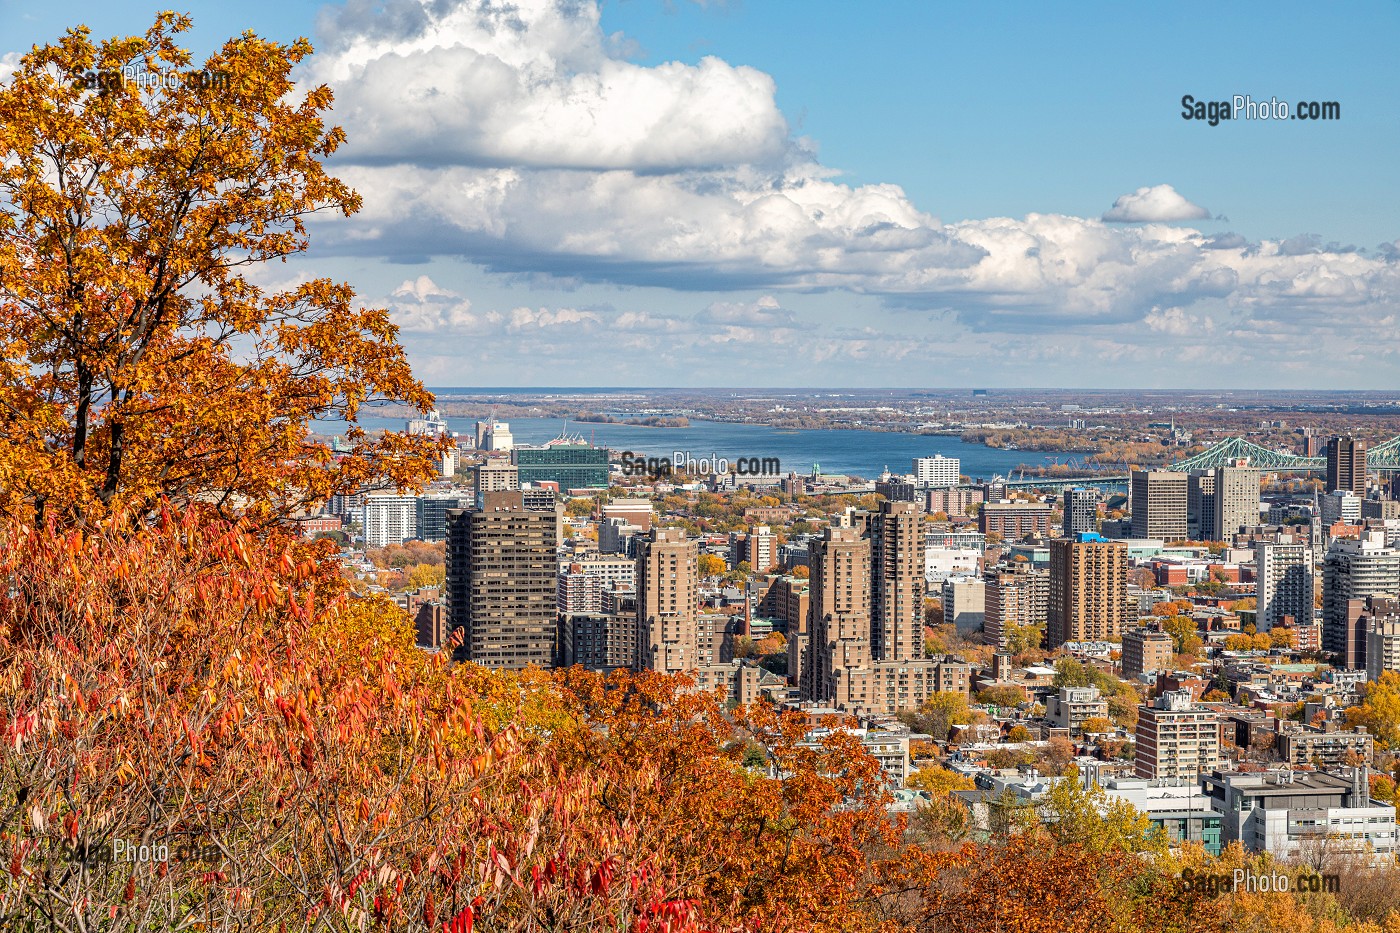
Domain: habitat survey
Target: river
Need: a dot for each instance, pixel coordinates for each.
(858, 453)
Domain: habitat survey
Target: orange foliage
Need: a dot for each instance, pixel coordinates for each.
(187, 684)
(139, 360)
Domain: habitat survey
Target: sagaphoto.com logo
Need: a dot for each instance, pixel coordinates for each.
(683, 461)
(1246, 108)
(107, 80)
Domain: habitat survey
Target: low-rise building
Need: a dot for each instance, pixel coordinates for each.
(1072, 706)
(1180, 809)
(1146, 651)
(1308, 815)
(1304, 745)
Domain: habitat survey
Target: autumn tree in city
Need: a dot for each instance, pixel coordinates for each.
(142, 356)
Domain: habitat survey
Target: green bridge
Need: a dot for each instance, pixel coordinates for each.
(1381, 458)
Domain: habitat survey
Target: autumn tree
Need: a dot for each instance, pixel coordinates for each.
(711, 565)
(938, 714)
(425, 576)
(1057, 755)
(1379, 710)
(1002, 695)
(1097, 724)
(1089, 817)
(938, 781)
(187, 681)
(142, 357)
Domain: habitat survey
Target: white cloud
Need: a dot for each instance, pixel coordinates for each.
(765, 312)
(1157, 204)
(522, 139)
(1178, 323)
(535, 83)
(421, 306)
(532, 319)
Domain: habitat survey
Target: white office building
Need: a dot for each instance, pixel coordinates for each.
(1340, 506)
(494, 435)
(940, 563)
(1283, 584)
(1305, 815)
(938, 471)
(389, 519)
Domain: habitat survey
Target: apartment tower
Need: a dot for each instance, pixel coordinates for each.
(502, 582)
(839, 628)
(1088, 590)
(667, 601)
(1283, 584)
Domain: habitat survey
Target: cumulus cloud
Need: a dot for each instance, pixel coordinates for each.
(1157, 204)
(521, 138)
(420, 306)
(534, 83)
(1176, 322)
(540, 319)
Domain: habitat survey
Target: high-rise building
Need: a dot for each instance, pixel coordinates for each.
(1088, 590)
(447, 464)
(1352, 570)
(1176, 739)
(582, 583)
(938, 471)
(1382, 623)
(1015, 598)
(572, 466)
(388, 519)
(1158, 502)
(1346, 465)
(964, 603)
(667, 601)
(1340, 506)
(1236, 501)
(839, 628)
(493, 435)
(495, 475)
(1200, 504)
(598, 641)
(638, 512)
(952, 502)
(1283, 584)
(866, 650)
(1383, 509)
(897, 593)
(615, 536)
(502, 569)
(432, 514)
(1081, 511)
(758, 547)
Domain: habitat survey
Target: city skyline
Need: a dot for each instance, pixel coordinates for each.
(654, 194)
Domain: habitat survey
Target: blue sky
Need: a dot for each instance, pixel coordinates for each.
(902, 194)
